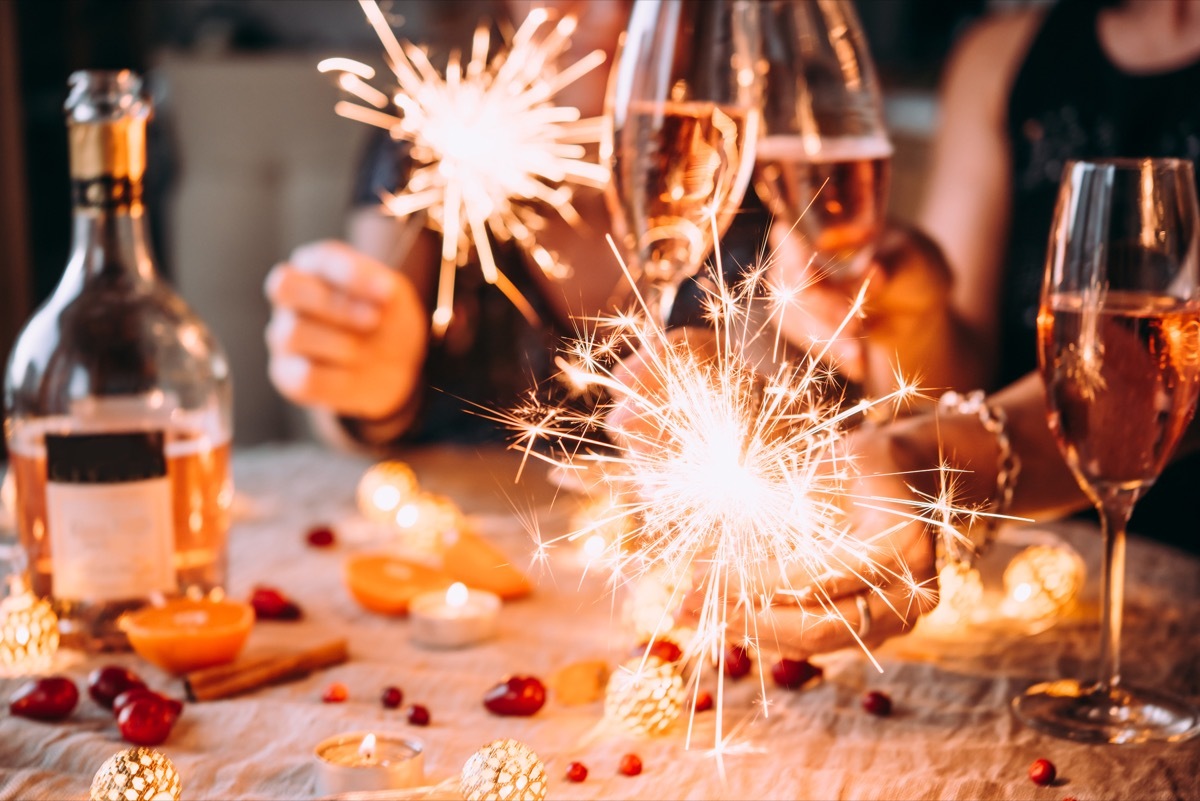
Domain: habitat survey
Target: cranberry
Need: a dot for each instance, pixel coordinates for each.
(174, 706)
(271, 604)
(877, 703)
(418, 715)
(737, 661)
(792, 674)
(631, 765)
(516, 695)
(392, 697)
(320, 536)
(50, 698)
(106, 683)
(665, 650)
(335, 693)
(1042, 772)
(704, 701)
(146, 720)
(576, 772)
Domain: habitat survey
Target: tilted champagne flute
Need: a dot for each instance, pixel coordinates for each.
(1119, 351)
(684, 103)
(824, 157)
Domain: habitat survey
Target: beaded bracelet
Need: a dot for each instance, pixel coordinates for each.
(1008, 468)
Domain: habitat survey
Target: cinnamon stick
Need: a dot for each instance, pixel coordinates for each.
(223, 681)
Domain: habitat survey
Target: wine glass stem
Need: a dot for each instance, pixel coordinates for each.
(659, 297)
(1115, 508)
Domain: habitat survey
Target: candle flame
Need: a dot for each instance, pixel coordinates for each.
(456, 595)
(367, 749)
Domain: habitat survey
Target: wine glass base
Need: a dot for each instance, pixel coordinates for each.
(1089, 714)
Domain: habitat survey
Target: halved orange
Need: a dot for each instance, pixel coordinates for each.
(386, 584)
(478, 563)
(184, 635)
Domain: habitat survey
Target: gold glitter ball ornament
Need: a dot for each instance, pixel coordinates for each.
(503, 770)
(1042, 580)
(645, 697)
(384, 488)
(28, 634)
(136, 774)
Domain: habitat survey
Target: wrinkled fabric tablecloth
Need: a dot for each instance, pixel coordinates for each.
(951, 734)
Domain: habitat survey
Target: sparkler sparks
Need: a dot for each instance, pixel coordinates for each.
(491, 150)
(735, 469)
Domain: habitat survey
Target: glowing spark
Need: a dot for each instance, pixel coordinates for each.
(735, 473)
(491, 151)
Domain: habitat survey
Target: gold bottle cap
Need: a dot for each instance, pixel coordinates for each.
(107, 115)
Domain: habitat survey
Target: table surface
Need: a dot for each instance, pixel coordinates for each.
(951, 735)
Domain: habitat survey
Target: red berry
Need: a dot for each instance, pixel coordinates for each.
(576, 772)
(174, 705)
(877, 703)
(335, 693)
(392, 697)
(50, 698)
(146, 720)
(418, 715)
(1042, 772)
(631, 765)
(737, 661)
(321, 536)
(271, 604)
(517, 695)
(792, 674)
(106, 683)
(704, 701)
(665, 650)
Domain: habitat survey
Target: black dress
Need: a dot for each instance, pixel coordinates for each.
(1069, 101)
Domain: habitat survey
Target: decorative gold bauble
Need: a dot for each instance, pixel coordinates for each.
(503, 770)
(136, 774)
(384, 488)
(28, 634)
(644, 696)
(423, 522)
(960, 587)
(1042, 580)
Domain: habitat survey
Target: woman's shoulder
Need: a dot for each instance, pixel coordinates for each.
(996, 43)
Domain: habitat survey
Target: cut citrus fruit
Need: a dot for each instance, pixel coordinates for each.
(184, 635)
(384, 583)
(474, 561)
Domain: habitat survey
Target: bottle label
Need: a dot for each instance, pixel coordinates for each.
(108, 192)
(108, 516)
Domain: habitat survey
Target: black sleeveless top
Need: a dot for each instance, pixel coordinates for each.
(1069, 101)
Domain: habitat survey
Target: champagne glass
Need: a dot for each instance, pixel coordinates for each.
(1119, 351)
(824, 158)
(683, 100)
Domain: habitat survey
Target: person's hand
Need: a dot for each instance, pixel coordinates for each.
(346, 333)
(907, 282)
(894, 586)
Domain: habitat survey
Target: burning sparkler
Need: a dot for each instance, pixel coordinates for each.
(746, 476)
(491, 149)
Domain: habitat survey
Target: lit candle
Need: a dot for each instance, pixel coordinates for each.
(364, 761)
(458, 617)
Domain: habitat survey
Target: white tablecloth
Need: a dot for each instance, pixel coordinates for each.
(951, 735)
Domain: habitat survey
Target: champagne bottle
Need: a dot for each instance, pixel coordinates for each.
(117, 400)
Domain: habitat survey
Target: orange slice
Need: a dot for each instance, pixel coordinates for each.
(474, 561)
(184, 635)
(386, 584)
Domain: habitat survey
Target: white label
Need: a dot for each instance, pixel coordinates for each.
(110, 541)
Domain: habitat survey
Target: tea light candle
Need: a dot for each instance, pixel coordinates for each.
(458, 617)
(363, 761)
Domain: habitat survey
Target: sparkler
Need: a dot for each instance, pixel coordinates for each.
(735, 464)
(491, 150)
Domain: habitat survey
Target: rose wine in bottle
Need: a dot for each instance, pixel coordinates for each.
(117, 400)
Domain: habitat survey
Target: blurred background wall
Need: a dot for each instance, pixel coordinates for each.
(247, 158)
